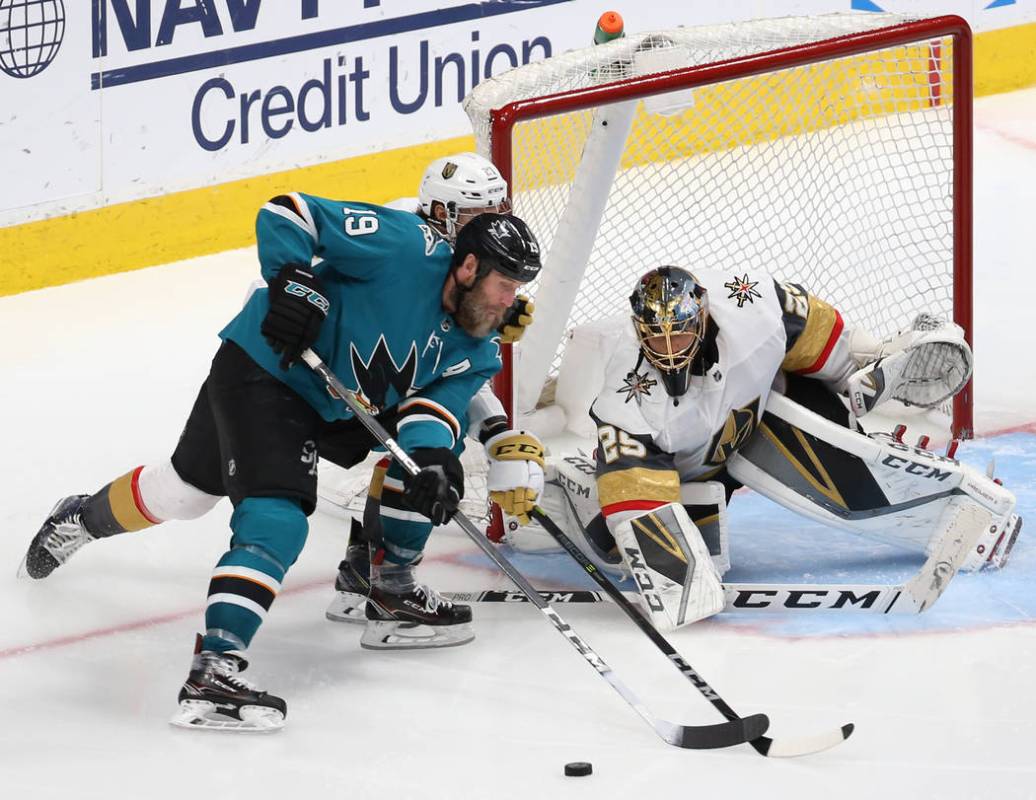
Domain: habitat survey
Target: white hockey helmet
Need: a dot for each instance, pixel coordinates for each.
(466, 184)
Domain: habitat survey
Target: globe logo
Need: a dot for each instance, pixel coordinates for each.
(30, 35)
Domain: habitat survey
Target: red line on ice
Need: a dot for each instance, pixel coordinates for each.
(161, 619)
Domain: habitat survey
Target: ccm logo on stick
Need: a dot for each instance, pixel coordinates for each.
(802, 598)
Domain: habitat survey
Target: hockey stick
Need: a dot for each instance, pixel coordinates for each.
(764, 745)
(872, 598)
(737, 730)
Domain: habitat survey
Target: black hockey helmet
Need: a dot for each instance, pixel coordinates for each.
(501, 242)
(669, 302)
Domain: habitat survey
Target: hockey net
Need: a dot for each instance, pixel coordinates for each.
(830, 151)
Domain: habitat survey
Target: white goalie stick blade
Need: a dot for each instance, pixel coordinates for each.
(202, 715)
(804, 746)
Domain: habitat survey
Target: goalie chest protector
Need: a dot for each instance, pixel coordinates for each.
(720, 409)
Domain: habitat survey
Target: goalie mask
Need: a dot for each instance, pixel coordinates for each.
(465, 184)
(670, 314)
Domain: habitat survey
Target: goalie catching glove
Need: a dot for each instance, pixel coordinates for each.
(515, 479)
(922, 366)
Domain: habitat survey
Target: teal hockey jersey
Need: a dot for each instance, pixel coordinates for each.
(386, 335)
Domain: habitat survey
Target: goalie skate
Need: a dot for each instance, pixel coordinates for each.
(61, 535)
(215, 697)
(994, 548)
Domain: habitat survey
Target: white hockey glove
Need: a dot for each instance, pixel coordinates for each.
(922, 366)
(515, 478)
(676, 579)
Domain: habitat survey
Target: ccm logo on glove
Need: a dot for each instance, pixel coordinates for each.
(312, 296)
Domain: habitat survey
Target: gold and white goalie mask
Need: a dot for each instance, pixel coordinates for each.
(670, 312)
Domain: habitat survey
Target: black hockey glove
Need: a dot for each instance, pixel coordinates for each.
(298, 307)
(437, 489)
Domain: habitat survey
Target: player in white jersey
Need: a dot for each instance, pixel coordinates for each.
(685, 417)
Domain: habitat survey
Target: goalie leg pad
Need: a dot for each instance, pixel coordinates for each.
(676, 579)
(873, 486)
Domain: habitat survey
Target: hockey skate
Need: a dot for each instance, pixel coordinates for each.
(418, 618)
(351, 587)
(62, 534)
(215, 697)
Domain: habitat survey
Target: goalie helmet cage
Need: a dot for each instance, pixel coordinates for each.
(832, 151)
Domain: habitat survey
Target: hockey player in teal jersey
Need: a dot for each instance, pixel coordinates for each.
(404, 320)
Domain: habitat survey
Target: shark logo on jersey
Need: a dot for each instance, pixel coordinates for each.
(742, 289)
(379, 373)
(636, 386)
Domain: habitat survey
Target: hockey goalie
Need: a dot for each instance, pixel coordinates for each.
(721, 381)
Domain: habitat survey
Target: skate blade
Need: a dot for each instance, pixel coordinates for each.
(348, 607)
(202, 715)
(410, 636)
(23, 569)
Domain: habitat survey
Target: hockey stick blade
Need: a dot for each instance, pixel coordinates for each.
(737, 731)
(807, 745)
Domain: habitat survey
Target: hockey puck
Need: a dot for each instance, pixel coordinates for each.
(579, 769)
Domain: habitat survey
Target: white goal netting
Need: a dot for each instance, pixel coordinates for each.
(836, 171)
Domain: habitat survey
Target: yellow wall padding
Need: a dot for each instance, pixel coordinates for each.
(172, 227)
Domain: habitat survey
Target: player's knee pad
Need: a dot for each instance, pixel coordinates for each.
(168, 496)
(873, 486)
(275, 526)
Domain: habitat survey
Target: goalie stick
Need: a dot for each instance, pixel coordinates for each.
(736, 730)
(764, 745)
(872, 598)
(912, 597)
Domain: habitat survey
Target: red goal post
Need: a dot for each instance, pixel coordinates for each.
(834, 151)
